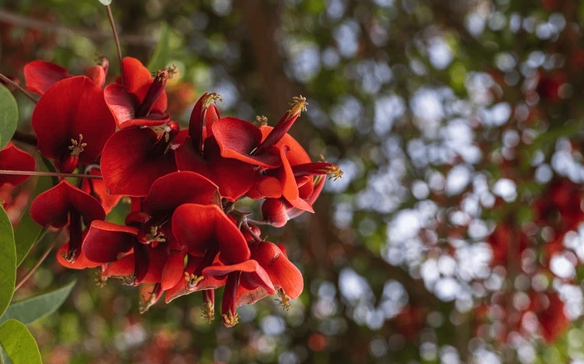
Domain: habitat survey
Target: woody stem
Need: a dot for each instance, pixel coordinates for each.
(255, 236)
(47, 174)
(117, 40)
(17, 86)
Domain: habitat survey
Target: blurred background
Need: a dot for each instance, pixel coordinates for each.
(454, 235)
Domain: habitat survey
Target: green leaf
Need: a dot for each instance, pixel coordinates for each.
(105, 2)
(8, 116)
(18, 343)
(32, 309)
(28, 231)
(7, 261)
(161, 55)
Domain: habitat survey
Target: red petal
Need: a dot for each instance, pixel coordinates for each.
(108, 202)
(233, 177)
(72, 107)
(202, 227)
(81, 261)
(123, 267)
(13, 158)
(274, 212)
(253, 275)
(238, 138)
(158, 257)
(137, 80)
(297, 154)
(127, 165)
(174, 189)
(105, 241)
(52, 207)
(40, 75)
(173, 269)
(282, 272)
(265, 187)
(97, 75)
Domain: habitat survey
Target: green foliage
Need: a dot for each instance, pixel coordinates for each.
(8, 116)
(161, 55)
(18, 344)
(7, 261)
(32, 309)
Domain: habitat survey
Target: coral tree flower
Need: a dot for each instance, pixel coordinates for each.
(200, 153)
(72, 123)
(133, 158)
(141, 101)
(66, 205)
(13, 158)
(41, 75)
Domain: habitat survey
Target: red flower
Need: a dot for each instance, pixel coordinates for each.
(72, 123)
(15, 159)
(168, 193)
(246, 283)
(41, 75)
(241, 140)
(233, 177)
(285, 277)
(141, 101)
(106, 241)
(134, 158)
(65, 205)
(206, 231)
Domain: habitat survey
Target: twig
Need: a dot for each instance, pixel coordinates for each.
(40, 261)
(47, 174)
(19, 20)
(18, 87)
(117, 40)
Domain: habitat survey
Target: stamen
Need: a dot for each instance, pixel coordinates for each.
(284, 300)
(212, 97)
(298, 105)
(193, 280)
(208, 312)
(261, 120)
(128, 280)
(230, 319)
(100, 280)
(77, 147)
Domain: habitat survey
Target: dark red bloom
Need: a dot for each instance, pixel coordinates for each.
(284, 275)
(246, 283)
(15, 159)
(41, 75)
(72, 123)
(108, 243)
(64, 205)
(206, 230)
(134, 158)
(168, 193)
(141, 101)
(200, 153)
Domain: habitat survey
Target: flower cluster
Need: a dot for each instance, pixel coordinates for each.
(183, 233)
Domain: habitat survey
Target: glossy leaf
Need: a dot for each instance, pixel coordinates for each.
(18, 343)
(7, 261)
(161, 55)
(32, 309)
(8, 116)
